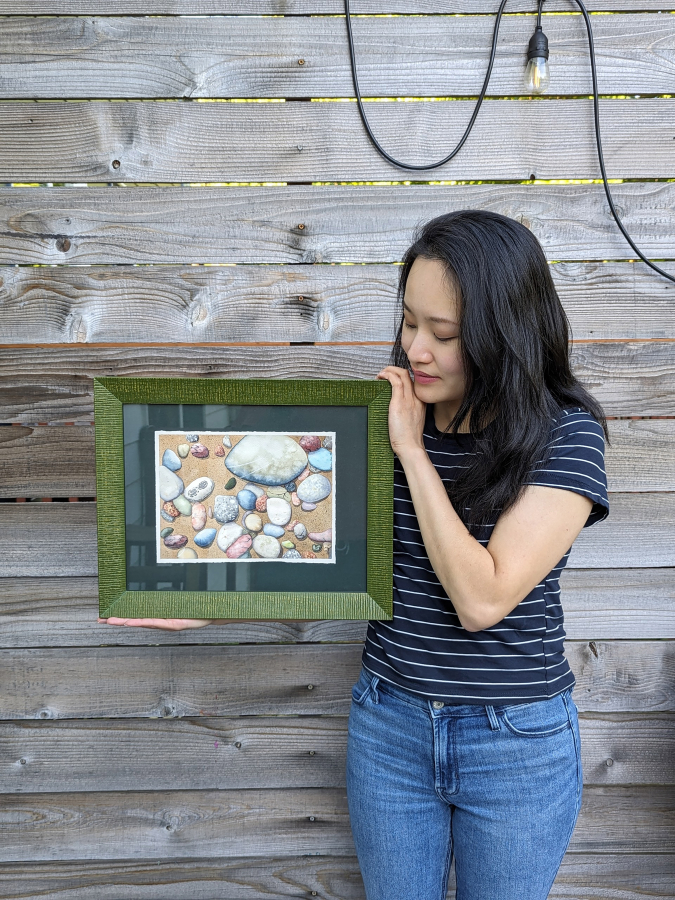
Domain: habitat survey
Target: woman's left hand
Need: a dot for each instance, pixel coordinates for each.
(406, 412)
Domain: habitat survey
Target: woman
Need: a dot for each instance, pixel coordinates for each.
(463, 736)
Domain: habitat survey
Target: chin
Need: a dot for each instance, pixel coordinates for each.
(431, 393)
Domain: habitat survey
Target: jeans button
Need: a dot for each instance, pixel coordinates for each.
(438, 704)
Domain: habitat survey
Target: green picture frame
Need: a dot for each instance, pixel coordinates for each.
(110, 396)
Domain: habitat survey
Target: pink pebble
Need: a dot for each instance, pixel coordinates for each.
(308, 507)
(310, 442)
(304, 474)
(220, 450)
(295, 500)
(198, 516)
(199, 450)
(319, 537)
(239, 547)
(291, 525)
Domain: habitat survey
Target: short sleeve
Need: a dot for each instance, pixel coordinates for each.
(577, 460)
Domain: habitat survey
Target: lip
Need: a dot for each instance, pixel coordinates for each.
(423, 378)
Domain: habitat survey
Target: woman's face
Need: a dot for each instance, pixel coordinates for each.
(430, 337)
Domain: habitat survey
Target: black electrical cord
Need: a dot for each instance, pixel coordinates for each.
(596, 116)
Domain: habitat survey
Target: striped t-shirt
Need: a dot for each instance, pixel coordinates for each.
(424, 648)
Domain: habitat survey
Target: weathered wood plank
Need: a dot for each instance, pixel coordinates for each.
(53, 384)
(239, 142)
(58, 461)
(602, 604)
(582, 876)
(130, 682)
(207, 824)
(434, 56)
(639, 533)
(302, 7)
(603, 301)
(270, 753)
(366, 223)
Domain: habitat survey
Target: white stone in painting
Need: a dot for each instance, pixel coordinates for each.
(199, 489)
(228, 534)
(314, 489)
(279, 511)
(269, 459)
(170, 485)
(266, 546)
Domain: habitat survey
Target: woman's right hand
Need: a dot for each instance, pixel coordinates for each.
(165, 624)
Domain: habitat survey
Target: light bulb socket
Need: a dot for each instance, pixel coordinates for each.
(538, 46)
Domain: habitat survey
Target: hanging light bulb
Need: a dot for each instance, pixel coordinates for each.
(536, 73)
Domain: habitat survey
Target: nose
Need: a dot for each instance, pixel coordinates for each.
(419, 350)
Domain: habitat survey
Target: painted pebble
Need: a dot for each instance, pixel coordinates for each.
(317, 548)
(226, 441)
(310, 442)
(321, 460)
(170, 507)
(307, 554)
(269, 459)
(175, 541)
(278, 511)
(183, 450)
(187, 553)
(275, 531)
(276, 491)
(228, 534)
(266, 546)
(170, 485)
(165, 532)
(320, 537)
(302, 476)
(198, 516)
(255, 489)
(246, 499)
(292, 554)
(327, 442)
(308, 507)
(314, 489)
(230, 483)
(288, 545)
(191, 438)
(291, 525)
(183, 505)
(261, 503)
(205, 537)
(253, 522)
(199, 451)
(239, 547)
(225, 508)
(295, 500)
(290, 487)
(219, 451)
(171, 460)
(164, 514)
(199, 489)
(300, 531)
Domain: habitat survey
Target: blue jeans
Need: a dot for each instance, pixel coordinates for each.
(499, 787)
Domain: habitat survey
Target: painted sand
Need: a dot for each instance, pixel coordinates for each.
(256, 496)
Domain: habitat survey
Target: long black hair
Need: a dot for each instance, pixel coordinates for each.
(514, 340)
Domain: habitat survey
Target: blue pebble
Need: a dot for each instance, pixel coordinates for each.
(273, 530)
(191, 438)
(321, 459)
(205, 537)
(171, 460)
(246, 499)
(291, 486)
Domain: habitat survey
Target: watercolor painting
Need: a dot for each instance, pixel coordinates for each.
(244, 497)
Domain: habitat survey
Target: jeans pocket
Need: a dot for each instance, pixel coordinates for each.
(362, 687)
(539, 719)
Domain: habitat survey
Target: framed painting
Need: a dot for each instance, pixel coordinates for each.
(244, 499)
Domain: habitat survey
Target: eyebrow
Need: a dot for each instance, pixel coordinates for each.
(431, 318)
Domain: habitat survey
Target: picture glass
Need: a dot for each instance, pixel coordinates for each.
(245, 498)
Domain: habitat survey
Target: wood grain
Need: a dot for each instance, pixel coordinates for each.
(267, 753)
(600, 604)
(429, 56)
(244, 142)
(194, 304)
(172, 682)
(360, 224)
(253, 823)
(53, 384)
(582, 876)
(301, 7)
(58, 461)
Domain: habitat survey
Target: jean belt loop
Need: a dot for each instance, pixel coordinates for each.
(373, 689)
(492, 718)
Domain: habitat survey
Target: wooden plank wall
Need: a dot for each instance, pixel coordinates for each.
(209, 764)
